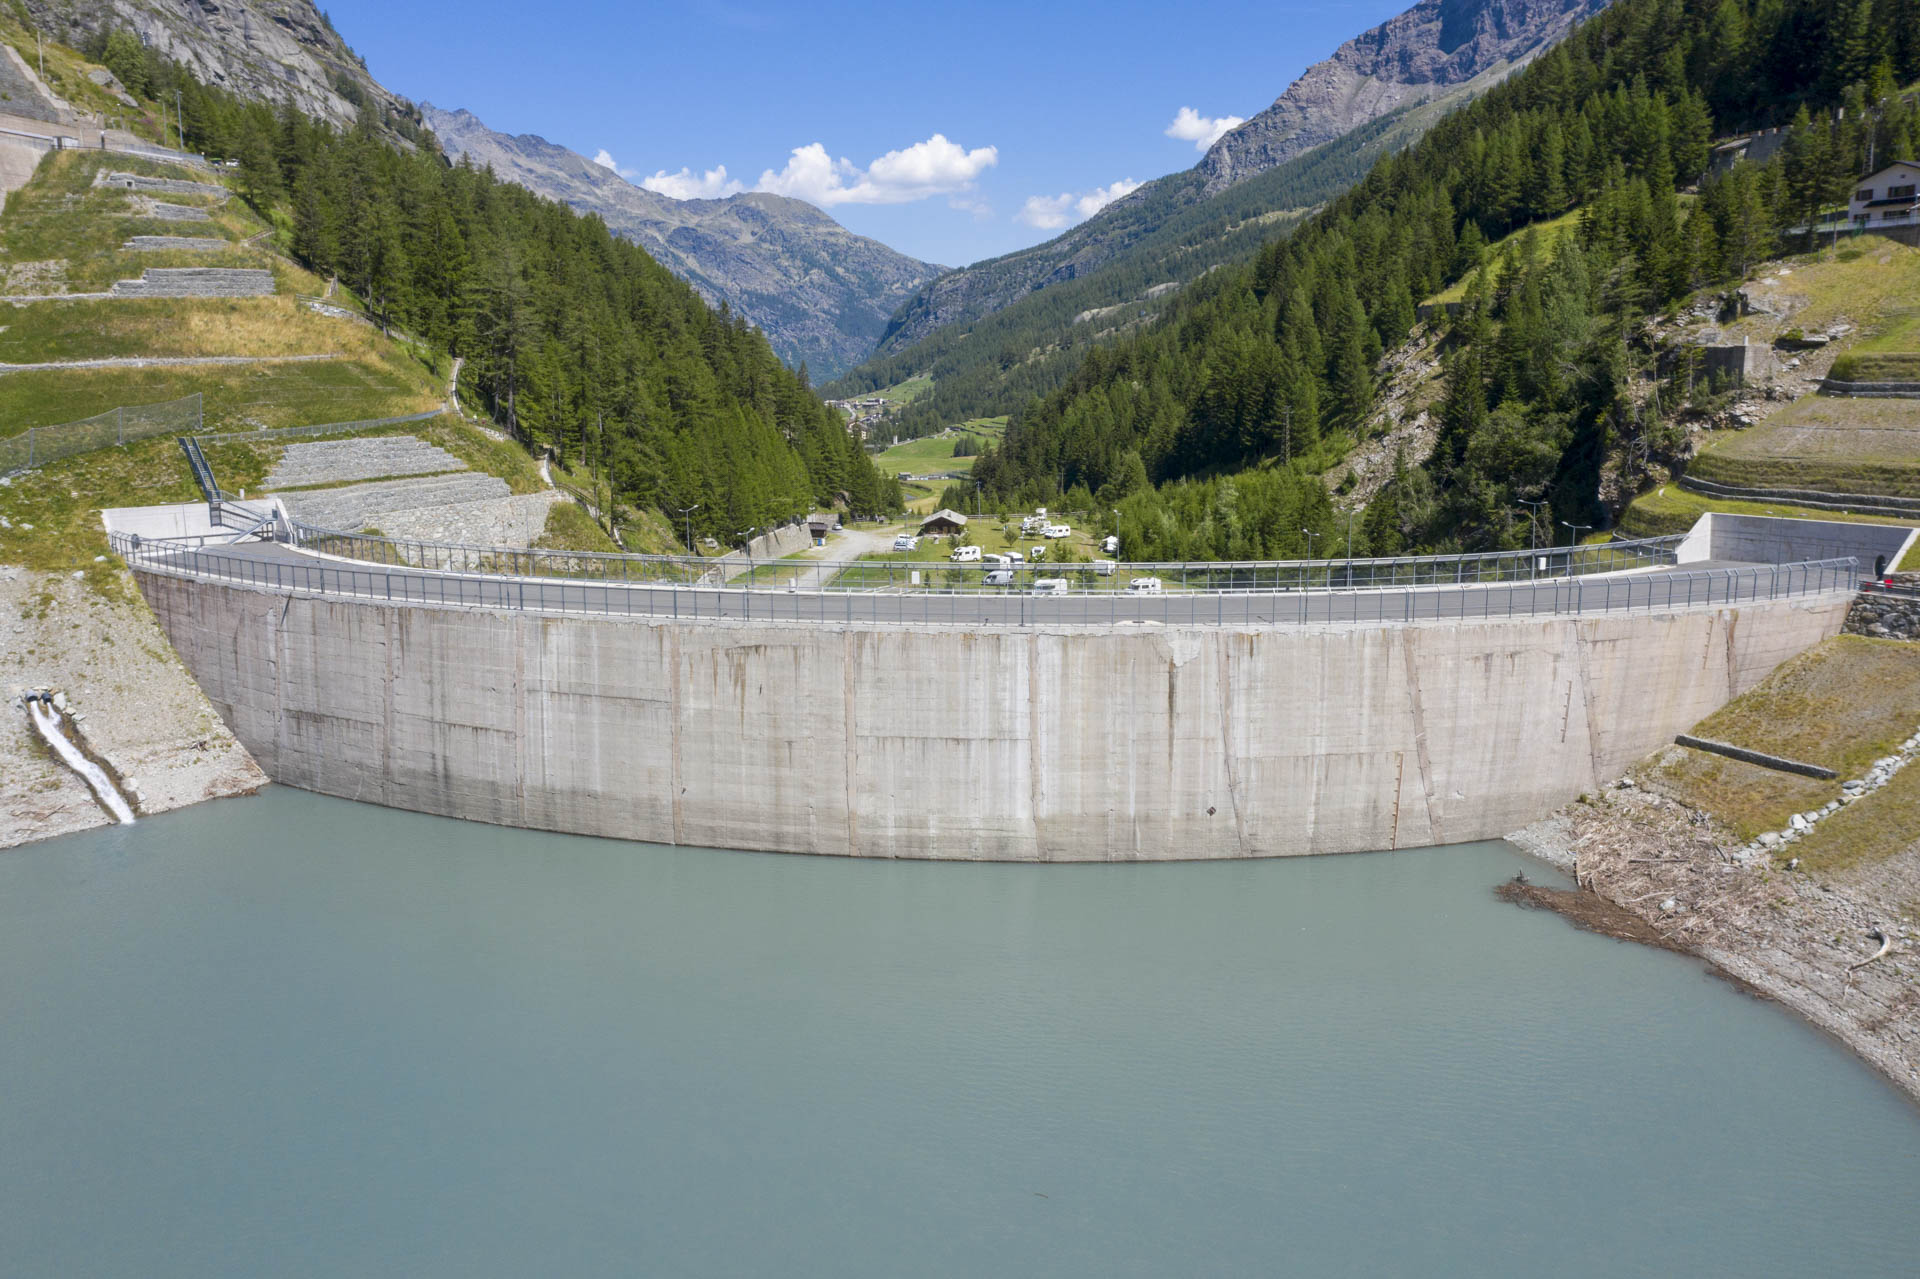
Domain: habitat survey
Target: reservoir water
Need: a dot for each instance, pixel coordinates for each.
(294, 1035)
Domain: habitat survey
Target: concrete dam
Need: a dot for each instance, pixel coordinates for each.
(1433, 714)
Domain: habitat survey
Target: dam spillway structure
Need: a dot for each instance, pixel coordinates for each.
(1246, 711)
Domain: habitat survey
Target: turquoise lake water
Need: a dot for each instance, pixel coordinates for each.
(291, 1035)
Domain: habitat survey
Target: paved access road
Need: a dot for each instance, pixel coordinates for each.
(277, 567)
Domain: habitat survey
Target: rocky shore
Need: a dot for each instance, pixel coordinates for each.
(92, 640)
(1841, 948)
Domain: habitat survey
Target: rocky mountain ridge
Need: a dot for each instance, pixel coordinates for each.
(1433, 48)
(267, 50)
(1415, 65)
(820, 293)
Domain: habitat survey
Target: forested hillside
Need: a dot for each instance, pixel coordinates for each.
(1260, 378)
(1164, 236)
(572, 337)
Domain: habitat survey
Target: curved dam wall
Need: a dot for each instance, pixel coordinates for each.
(1030, 744)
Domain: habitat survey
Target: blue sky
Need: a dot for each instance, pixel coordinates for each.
(951, 133)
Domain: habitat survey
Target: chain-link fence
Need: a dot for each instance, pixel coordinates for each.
(324, 428)
(40, 445)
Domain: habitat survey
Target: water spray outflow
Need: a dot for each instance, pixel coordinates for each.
(47, 719)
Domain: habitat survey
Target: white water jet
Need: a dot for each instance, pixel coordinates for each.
(47, 720)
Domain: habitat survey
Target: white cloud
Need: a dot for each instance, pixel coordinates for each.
(1049, 212)
(934, 167)
(1203, 131)
(605, 160)
(714, 184)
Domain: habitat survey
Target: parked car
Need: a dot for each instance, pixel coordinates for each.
(999, 577)
(1144, 586)
(906, 542)
(1049, 586)
(1111, 546)
(1057, 530)
(965, 555)
(1016, 558)
(1038, 553)
(1104, 567)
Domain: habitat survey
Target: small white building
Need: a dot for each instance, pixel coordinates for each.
(1891, 195)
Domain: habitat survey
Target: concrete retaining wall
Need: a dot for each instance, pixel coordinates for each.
(1083, 744)
(1771, 539)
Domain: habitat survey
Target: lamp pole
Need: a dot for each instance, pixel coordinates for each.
(1533, 532)
(1310, 536)
(1573, 542)
(686, 513)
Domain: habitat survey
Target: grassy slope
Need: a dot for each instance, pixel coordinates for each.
(51, 514)
(1841, 705)
(1829, 443)
(1820, 442)
(1550, 234)
(935, 452)
(60, 216)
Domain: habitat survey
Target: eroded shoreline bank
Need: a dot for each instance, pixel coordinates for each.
(1653, 871)
(130, 697)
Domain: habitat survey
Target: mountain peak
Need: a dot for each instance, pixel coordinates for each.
(820, 293)
(1432, 49)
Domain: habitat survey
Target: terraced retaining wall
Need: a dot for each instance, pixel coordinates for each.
(1095, 743)
(196, 282)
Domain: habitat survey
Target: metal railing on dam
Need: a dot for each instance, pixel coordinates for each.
(946, 577)
(272, 566)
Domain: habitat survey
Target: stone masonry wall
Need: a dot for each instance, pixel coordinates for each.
(196, 282)
(1887, 616)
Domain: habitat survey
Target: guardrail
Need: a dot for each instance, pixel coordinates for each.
(945, 577)
(272, 568)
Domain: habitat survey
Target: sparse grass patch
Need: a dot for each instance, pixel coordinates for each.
(570, 528)
(91, 330)
(1824, 442)
(54, 513)
(1549, 233)
(1860, 284)
(1841, 705)
(1748, 798)
(237, 398)
(1869, 830)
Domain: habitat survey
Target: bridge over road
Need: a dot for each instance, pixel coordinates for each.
(1092, 726)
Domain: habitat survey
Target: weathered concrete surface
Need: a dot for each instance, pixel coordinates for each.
(1071, 744)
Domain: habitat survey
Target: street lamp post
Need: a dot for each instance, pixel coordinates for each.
(686, 513)
(1533, 533)
(1573, 541)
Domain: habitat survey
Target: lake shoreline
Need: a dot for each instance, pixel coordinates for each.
(130, 699)
(1650, 870)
